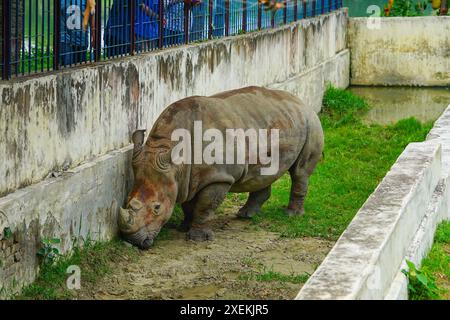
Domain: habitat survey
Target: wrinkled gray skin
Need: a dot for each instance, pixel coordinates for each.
(201, 188)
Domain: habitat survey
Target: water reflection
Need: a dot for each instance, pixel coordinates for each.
(391, 104)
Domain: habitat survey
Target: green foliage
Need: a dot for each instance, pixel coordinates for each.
(436, 266)
(442, 234)
(7, 233)
(95, 261)
(408, 8)
(341, 106)
(35, 61)
(48, 252)
(421, 285)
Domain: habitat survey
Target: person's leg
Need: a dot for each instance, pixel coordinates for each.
(82, 54)
(66, 55)
(219, 18)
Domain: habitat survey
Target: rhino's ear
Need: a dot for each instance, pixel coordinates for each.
(138, 141)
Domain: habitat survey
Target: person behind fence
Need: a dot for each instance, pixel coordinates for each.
(174, 18)
(117, 31)
(74, 35)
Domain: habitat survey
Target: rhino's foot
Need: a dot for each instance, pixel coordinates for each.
(197, 234)
(247, 213)
(184, 227)
(295, 212)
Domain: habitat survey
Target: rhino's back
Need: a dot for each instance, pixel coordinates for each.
(253, 107)
(246, 108)
(250, 107)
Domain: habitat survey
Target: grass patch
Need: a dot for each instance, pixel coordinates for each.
(357, 157)
(270, 276)
(95, 260)
(435, 268)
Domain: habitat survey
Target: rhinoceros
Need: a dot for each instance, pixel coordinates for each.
(160, 182)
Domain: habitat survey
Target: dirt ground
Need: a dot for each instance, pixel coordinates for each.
(219, 269)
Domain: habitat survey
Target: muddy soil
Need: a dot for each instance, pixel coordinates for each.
(219, 269)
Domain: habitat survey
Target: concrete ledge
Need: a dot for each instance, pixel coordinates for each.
(441, 133)
(367, 257)
(77, 205)
(437, 211)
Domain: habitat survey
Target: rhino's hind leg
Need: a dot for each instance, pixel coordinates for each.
(254, 203)
(204, 205)
(300, 173)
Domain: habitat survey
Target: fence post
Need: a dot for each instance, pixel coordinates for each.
(313, 8)
(305, 8)
(161, 24)
(98, 31)
(285, 12)
(295, 10)
(272, 19)
(227, 18)
(330, 5)
(56, 34)
(6, 35)
(259, 16)
(132, 6)
(322, 7)
(210, 19)
(244, 15)
(186, 22)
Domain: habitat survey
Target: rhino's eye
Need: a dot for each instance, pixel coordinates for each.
(156, 208)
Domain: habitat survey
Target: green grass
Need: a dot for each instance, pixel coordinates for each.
(271, 276)
(435, 267)
(94, 260)
(356, 158)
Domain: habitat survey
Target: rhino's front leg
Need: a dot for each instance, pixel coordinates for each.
(205, 203)
(188, 210)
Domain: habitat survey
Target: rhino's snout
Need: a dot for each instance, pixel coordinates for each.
(147, 243)
(140, 239)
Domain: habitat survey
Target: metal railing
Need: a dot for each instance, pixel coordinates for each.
(43, 35)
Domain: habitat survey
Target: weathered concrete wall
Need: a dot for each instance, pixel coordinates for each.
(402, 51)
(396, 223)
(79, 205)
(60, 121)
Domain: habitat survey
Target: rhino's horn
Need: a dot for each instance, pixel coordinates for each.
(125, 219)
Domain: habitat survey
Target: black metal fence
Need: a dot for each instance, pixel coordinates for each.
(42, 35)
